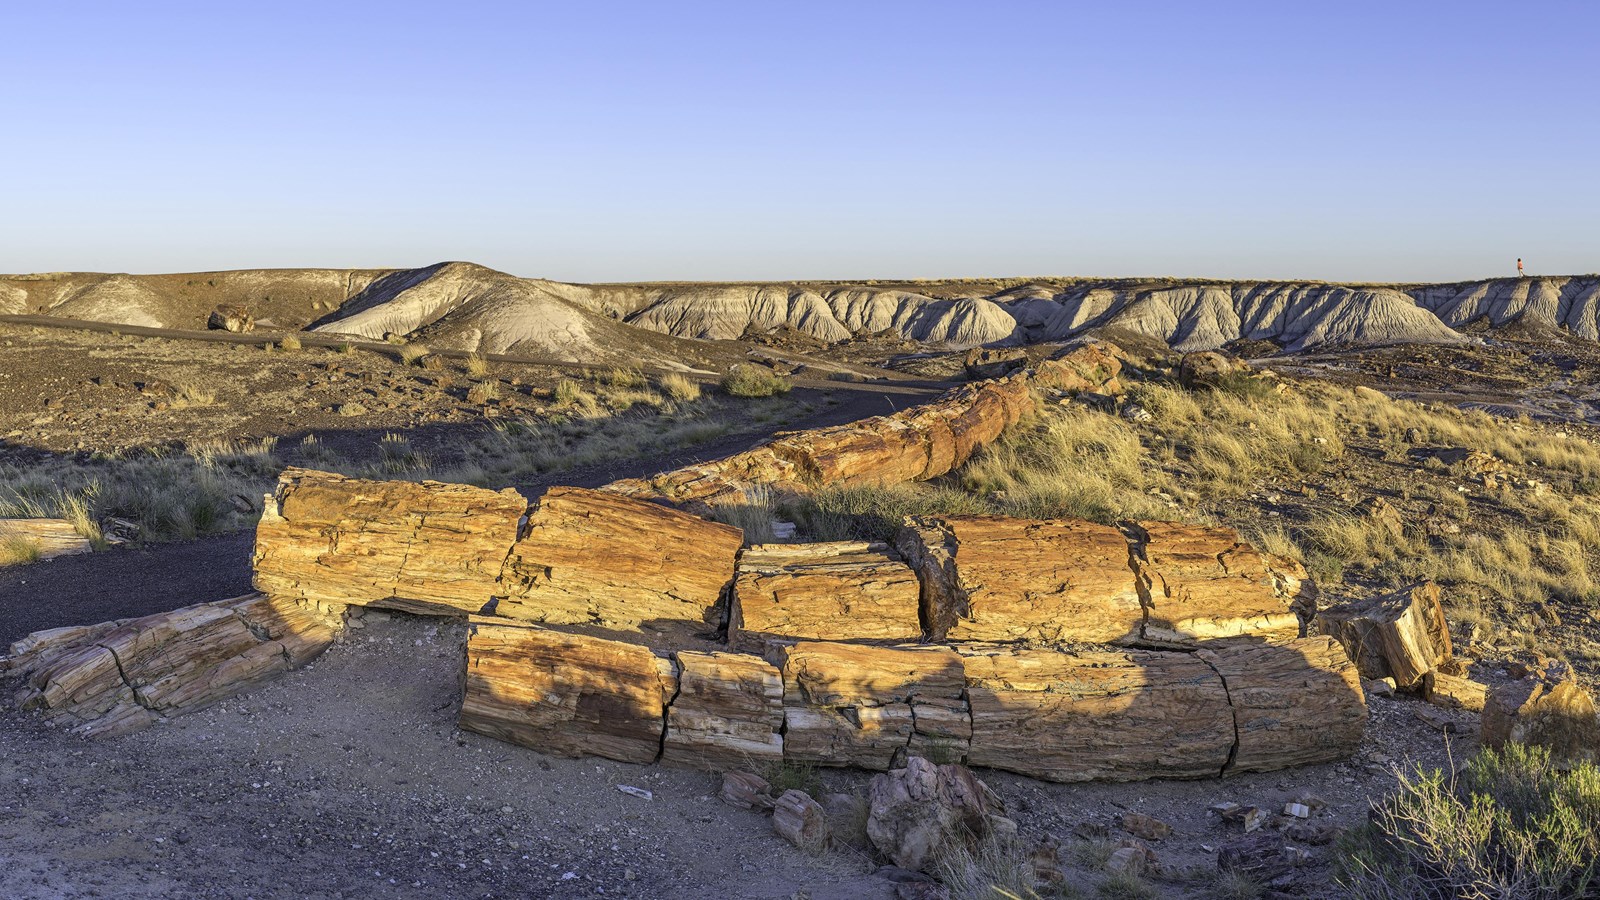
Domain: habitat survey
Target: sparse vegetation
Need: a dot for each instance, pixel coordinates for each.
(18, 549)
(754, 381)
(477, 365)
(191, 394)
(679, 388)
(412, 354)
(290, 343)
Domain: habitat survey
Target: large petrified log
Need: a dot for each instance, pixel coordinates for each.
(1205, 582)
(1294, 703)
(855, 705)
(426, 547)
(1401, 635)
(993, 578)
(836, 591)
(1553, 712)
(565, 694)
(1089, 366)
(117, 677)
(1097, 715)
(48, 538)
(727, 714)
(596, 558)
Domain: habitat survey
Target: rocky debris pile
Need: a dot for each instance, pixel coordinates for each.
(48, 538)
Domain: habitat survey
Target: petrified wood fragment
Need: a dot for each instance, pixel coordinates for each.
(1401, 635)
(1294, 704)
(837, 591)
(1203, 583)
(727, 714)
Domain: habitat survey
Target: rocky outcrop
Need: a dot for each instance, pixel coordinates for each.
(1097, 715)
(597, 558)
(428, 547)
(728, 712)
(566, 694)
(1401, 635)
(1202, 583)
(994, 578)
(868, 707)
(840, 591)
(47, 538)
(121, 676)
(914, 813)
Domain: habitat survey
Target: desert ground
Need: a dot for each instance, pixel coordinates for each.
(1373, 436)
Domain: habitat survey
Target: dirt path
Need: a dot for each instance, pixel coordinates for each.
(98, 587)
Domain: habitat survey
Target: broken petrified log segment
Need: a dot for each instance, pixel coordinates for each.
(993, 578)
(427, 547)
(565, 694)
(1557, 715)
(801, 820)
(1454, 692)
(728, 712)
(915, 812)
(856, 705)
(596, 558)
(1097, 715)
(1294, 704)
(48, 538)
(1204, 583)
(838, 591)
(115, 679)
(1090, 366)
(1400, 635)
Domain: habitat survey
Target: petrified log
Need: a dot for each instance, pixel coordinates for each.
(115, 679)
(801, 820)
(1097, 715)
(878, 451)
(727, 714)
(48, 538)
(1090, 366)
(228, 317)
(426, 547)
(838, 591)
(1294, 704)
(1454, 692)
(596, 558)
(993, 578)
(1204, 583)
(1557, 715)
(856, 705)
(565, 694)
(1401, 635)
(915, 812)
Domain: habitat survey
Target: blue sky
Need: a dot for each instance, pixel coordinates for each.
(631, 141)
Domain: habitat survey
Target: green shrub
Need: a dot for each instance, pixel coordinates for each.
(754, 381)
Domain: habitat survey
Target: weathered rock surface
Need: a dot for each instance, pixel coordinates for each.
(120, 676)
(838, 591)
(49, 538)
(227, 317)
(993, 578)
(985, 362)
(856, 705)
(1294, 704)
(427, 547)
(1558, 715)
(1087, 366)
(1401, 635)
(598, 558)
(1097, 715)
(915, 811)
(727, 713)
(565, 694)
(746, 790)
(1454, 691)
(1204, 582)
(801, 820)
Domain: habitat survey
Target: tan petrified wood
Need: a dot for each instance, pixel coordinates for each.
(1401, 635)
(50, 538)
(1294, 703)
(1205, 582)
(835, 591)
(596, 558)
(727, 714)
(427, 547)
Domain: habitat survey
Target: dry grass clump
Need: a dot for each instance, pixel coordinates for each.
(483, 392)
(477, 365)
(290, 343)
(191, 394)
(412, 354)
(754, 381)
(752, 513)
(17, 549)
(1514, 824)
(679, 388)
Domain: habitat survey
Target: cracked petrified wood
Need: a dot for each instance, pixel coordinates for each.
(855, 705)
(1204, 582)
(835, 591)
(1294, 703)
(596, 558)
(994, 578)
(120, 676)
(565, 694)
(48, 538)
(1401, 635)
(425, 547)
(1097, 715)
(728, 712)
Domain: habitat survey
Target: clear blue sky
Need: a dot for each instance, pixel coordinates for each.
(636, 141)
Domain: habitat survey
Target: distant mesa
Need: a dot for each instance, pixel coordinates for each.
(463, 306)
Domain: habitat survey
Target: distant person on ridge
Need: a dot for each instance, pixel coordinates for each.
(1519, 267)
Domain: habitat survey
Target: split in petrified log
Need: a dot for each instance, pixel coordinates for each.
(727, 714)
(565, 694)
(1294, 704)
(46, 538)
(1202, 583)
(994, 578)
(425, 548)
(1097, 715)
(597, 558)
(118, 677)
(1401, 635)
(837, 591)
(856, 705)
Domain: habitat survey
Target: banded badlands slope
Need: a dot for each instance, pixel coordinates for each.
(469, 307)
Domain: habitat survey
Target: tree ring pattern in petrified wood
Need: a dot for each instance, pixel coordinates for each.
(833, 591)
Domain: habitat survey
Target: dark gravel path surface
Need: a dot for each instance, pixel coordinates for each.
(117, 584)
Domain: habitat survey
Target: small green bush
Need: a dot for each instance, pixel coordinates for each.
(754, 381)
